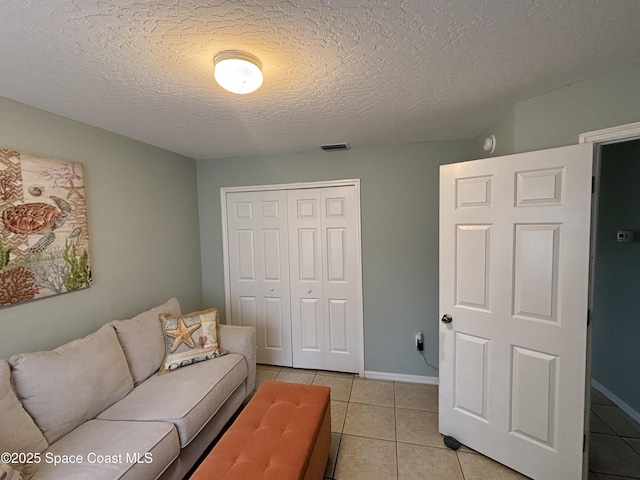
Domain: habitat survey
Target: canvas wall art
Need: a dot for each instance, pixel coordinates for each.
(44, 244)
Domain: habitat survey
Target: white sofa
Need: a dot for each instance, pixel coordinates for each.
(96, 409)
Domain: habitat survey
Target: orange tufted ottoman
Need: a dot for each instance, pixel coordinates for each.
(284, 433)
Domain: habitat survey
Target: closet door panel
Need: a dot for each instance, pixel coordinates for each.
(246, 311)
(338, 328)
(307, 304)
(272, 254)
(246, 255)
(258, 257)
(310, 324)
(341, 281)
(336, 254)
(274, 336)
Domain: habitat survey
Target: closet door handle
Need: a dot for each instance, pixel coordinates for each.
(272, 289)
(308, 290)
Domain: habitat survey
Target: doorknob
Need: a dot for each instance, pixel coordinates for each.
(271, 289)
(308, 290)
(446, 318)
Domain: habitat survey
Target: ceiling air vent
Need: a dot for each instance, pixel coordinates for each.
(335, 147)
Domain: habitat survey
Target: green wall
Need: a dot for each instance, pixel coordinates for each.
(143, 224)
(558, 117)
(616, 306)
(399, 208)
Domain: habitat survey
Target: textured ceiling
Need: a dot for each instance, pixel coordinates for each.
(365, 72)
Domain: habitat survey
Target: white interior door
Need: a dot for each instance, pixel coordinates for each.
(514, 278)
(258, 257)
(325, 279)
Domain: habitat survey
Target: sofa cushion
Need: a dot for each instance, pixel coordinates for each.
(16, 472)
(190, 338)
(112, 451)
(188, 397)
(142, 340)
(65, 387)
(19, 432)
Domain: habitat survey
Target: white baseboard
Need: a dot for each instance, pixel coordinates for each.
(401, 377)
(625, 407)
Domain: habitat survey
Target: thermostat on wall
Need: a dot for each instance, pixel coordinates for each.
(625, 236)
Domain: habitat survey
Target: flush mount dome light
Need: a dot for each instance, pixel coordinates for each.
(238, 72)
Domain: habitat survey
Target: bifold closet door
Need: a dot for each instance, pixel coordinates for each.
(324, 278)
(258, 257)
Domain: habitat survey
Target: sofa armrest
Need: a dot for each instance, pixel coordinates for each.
(242, 340)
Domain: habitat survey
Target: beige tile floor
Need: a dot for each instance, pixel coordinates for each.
(388, 430)
(614, 452)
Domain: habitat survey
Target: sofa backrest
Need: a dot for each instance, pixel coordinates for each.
(142, 340)
(63, 388)
(19, 431)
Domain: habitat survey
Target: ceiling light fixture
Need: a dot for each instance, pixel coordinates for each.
(238, 72)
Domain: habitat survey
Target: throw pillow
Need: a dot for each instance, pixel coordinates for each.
(190, 338)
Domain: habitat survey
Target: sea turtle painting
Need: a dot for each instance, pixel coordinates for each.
(36, 218)
(44, 231)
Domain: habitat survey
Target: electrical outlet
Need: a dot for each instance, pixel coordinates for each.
(419, 342)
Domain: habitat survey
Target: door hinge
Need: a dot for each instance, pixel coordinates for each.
(584, 442)
(588, 318)
(593, 184)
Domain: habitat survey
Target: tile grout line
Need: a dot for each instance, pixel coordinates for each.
(395, 430)
(460, 465)
(335, 464)
(626, 440)
(591, 410)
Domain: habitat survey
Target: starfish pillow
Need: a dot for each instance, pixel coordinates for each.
(190, 338)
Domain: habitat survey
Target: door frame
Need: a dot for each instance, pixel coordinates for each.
(599, 138)
(354, 182)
